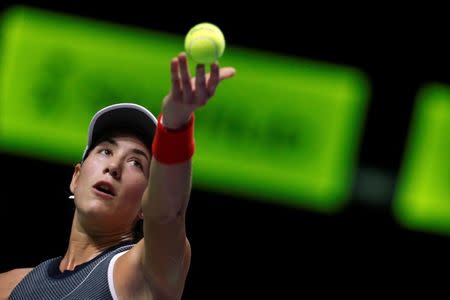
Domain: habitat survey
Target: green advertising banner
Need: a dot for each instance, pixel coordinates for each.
(284, 130)
(422, 200)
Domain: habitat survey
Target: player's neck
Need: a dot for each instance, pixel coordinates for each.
(84, 246)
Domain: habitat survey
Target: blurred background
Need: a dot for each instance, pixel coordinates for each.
(323, 165)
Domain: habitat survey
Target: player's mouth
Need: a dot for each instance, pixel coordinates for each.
(104, 189)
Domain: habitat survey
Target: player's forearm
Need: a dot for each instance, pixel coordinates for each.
(169, 191)
(170, 170)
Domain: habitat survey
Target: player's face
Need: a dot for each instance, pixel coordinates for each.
(110, 184)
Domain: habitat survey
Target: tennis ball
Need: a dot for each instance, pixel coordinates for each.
(204, 43)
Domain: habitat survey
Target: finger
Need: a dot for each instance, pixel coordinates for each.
(175, 76)
(213, 79)
(226, 73)
(200, 85)
(185, 77)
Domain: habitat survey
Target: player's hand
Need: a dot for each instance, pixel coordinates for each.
(187, 94)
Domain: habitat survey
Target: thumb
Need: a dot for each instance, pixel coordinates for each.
(226, 72)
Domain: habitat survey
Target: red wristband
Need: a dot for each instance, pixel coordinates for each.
(173, 146)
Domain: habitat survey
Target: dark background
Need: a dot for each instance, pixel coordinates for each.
(244, 247)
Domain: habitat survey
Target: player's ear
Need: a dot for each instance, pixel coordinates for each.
(75, 176)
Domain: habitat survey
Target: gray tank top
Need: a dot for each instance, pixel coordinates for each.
(87, 281)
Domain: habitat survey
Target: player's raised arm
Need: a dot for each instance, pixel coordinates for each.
(164, 253)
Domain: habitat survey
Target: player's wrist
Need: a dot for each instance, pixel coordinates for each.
(170, 125)
(171, 146)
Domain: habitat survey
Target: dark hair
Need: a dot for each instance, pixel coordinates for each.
(138, 231)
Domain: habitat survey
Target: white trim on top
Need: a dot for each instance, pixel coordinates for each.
(112, 290)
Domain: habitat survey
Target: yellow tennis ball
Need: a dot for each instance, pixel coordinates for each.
(205, 43)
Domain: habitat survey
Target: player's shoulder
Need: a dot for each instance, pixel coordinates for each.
(10, 279)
